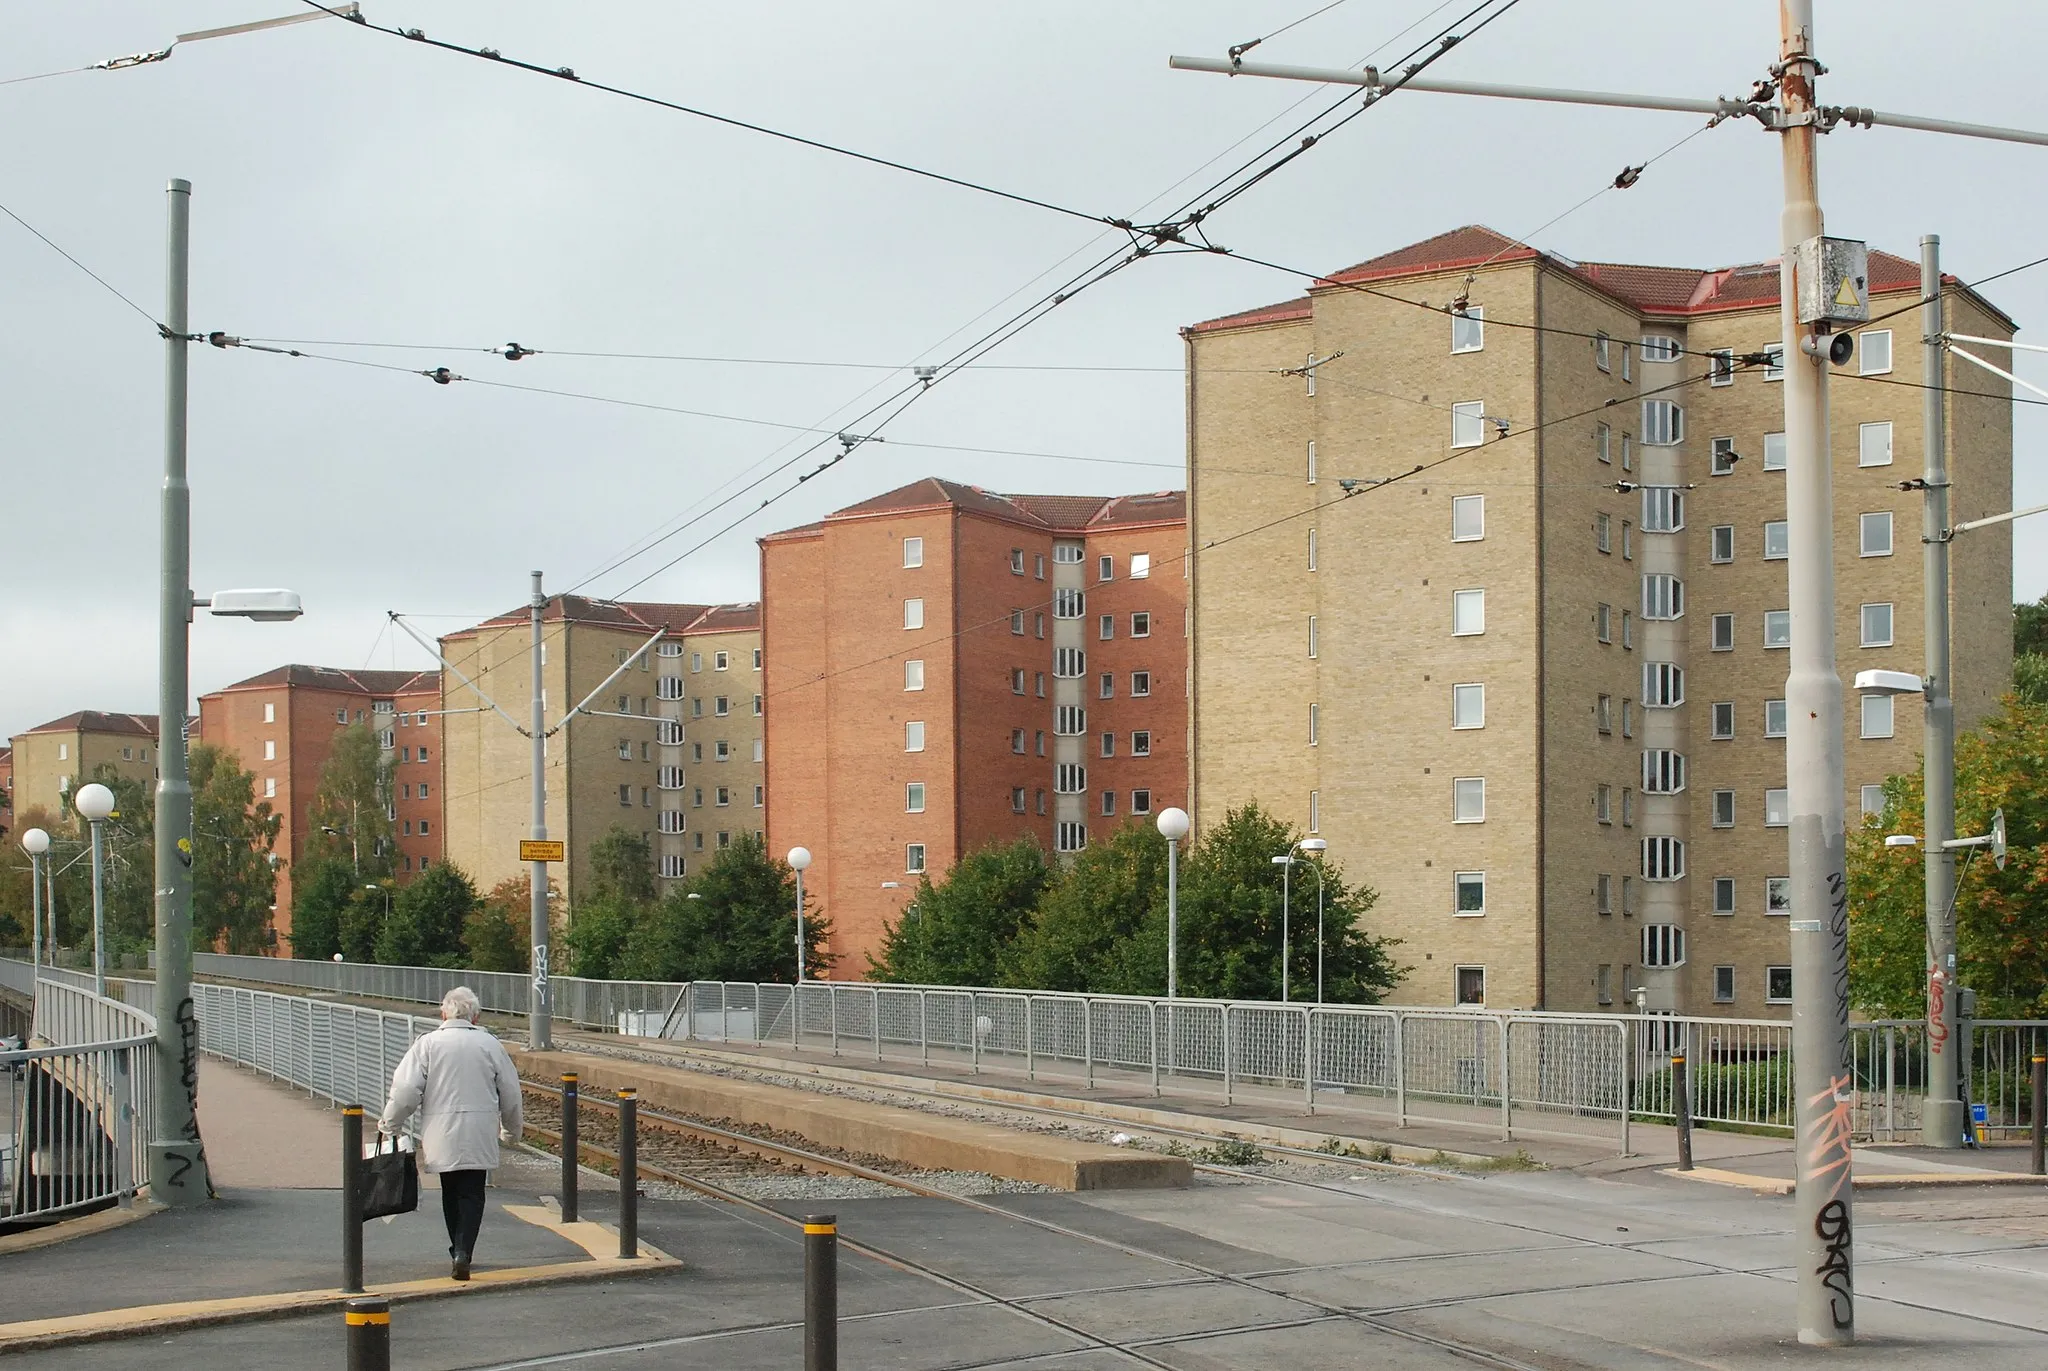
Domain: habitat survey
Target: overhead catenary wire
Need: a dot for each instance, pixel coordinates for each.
(104, 284)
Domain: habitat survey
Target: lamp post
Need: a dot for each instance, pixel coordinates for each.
(1318, 847)
(94, 803)
(35, 842)
(1285, 861)
(1173, 826)
(799, 862)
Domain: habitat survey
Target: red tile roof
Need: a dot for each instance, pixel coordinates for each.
(336, 678)
(633, 616)
(1050, 513)
(93, 721)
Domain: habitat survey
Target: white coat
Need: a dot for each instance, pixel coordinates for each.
(463, 1085)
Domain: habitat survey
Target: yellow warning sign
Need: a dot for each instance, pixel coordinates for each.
(542, 850)
(1847, 294)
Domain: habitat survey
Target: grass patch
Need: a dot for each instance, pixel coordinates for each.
(1344, 1147)
(1232, 1151)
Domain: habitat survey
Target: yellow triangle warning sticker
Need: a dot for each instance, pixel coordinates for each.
(1847, 294)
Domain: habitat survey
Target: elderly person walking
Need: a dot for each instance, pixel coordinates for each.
(463, 1085)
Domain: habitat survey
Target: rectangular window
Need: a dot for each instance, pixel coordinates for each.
(1721, 367)
(1663, 509)
(1105, 630)
(1603, 983)
(270, 787)
(1663, 859)
(913, 736)
(1778, 895)
(1628, 541)
(721, 661)
(1038, 565)
(1068, 663)
(1663, 596)
(1603, 713)
(1070, 837)
(1777, 807)
(270, 714)
(1468, 518)
(696, 661)
(1724, 985)
(1724, 632)
(760, 747)
(1311, 635)
(1067, 552)
(1724, 809)
(1778, 984)
(1774, 452)
(1468, 423)
(1311, 549)
(1661, 347)
(1141, 743)
(1468, 329)
(913, 613)
(1468, 800)
(1723, 549)
(1017, 622)
(1663, 685)
(1724, 894)
(1468, 893)
(1663, 423)
(1777, 540)
(1877, 716)
(1721, 457)
(1016, 561)
(1141, 566)
(1603, 804)
(1068, 603)
(1141, 802)
(1109, 744)
(1603, 352)
(1315, 811)
(1141, 625)
(724, 797)
(1603, 620)
(721, 706)
(1468, 612)
(1777, 628)
(1603, 443)
(1874, 352)
(1872, 799)
(1109, 804)
(1468, 706)
(721, 751)
(1877, 625)
(269, 749)
(1017, 679)
(626, 795)
(1106, 688)
(1141, 683)
(1069, 778)
(1314, 723)
(1020, 741)
(1603, 532)
(1311, 464)
(1774, 718)
(1105, 568)
(1774, 369)
(1603, 894)
(1724, 719)
(913, 797)
(913, 552)
(1016, 799)
(1628, 458)
(1874, 445)
(1038, 625)
(1069, 721)
(1876, 531)
(913, 858)
(1628, 808)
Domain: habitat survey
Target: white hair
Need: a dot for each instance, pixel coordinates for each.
(461, 1003)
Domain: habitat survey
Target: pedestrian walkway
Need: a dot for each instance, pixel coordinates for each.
(270, 1244)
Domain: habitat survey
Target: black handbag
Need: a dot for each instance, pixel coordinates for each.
(390, 1180)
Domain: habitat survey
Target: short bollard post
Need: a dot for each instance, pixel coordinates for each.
(2040, 1111)
(1681, 1109)
(629, 1173)
(571, 1146)
(352, 1200)
(369, 1334)
(821, 1292)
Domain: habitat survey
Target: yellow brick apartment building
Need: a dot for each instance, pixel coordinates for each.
(1496, 604)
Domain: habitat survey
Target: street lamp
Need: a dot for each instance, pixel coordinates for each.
(799, 862)
(1285, 861)
(1173, 826)
(94, 803)
(1318, 847)
(35, 842)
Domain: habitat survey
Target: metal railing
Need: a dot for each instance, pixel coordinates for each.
(1577, 1076)
(340, 1052)
(77, 1109)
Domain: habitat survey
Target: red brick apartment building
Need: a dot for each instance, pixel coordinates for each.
(281, 725)
(948, 667)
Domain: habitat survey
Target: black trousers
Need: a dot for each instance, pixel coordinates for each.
(462, 1208)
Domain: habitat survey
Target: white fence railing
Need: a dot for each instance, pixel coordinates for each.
(78, 1107)
(341, 1052)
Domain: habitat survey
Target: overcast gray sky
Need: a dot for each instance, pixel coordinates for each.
(352, 186)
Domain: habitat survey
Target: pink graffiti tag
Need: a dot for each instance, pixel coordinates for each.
(1827, 1143)
(1937, 1004)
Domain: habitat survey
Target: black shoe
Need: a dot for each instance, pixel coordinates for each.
(460, 1270)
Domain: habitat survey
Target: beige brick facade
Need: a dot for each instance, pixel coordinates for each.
(1590, 742)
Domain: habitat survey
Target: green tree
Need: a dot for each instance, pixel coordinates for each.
(363, 919)
(622, 865)
(427, 920)
(2030, 627)
(322, 889)
(2030, 677)
(129, 872)
(496, 936)
(740, 925)
(234, 880)
(2001, 916)
(955, 928)
(1100, 925)
(599, 932)
(351, 808)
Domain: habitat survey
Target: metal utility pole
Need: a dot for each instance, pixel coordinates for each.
(1823, 1081)
(177, 1159)
(538, 1025)
(1942, 1123)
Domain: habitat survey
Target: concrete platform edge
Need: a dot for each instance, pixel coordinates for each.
(101, 1221)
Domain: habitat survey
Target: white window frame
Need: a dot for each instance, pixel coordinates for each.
(1660, 347)
(1068, 552)
(1778, 448)
(1772, 975)
(1774, 369)
(1775, 710)
(1468, 612)
(1778, 806)
(1141, 566)
(1721, 367)
(1069, 603)
(1468, 424)
(1723, 896)
(1603, 352)
(1717, 640)
(1663, 945)
(1311, 549)
(1468, 705)
(1721, 548)
(1141, 623)
(1721, 457)
(1870, 799)
(1312, 644)
(1890, 623)
(1468, 800)
(913, 673)
(1724, 973)
(913, 735)
(1461, 881)
(913, 859)
(913, 613)
(1777, 539)
(1663, 596)
(1663, 423)
(1777, 619)
(913, 797)
(1603, 533)
(1874, 444)
(1878, 519)
(1863, 359)
(1663, 509)
(1466, 529)
(1777, 896)
(913, 553)
(1315, 723)
(1603, 443)
(1141, 684)
(1311, 464)
(1663, 771)
(1723, 814)
(1663, 858)
(1468, 330)
(1879, 718)
(1663, 685)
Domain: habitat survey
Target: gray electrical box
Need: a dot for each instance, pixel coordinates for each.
(1833, 277)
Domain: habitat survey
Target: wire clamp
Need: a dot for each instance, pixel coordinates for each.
(512, 352)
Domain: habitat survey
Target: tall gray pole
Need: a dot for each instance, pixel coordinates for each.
(800, 926)
(1319, 930)
(1285, 872)
(538, 1025)
(99, 911)
(1822, 1079)
(35, 936)
(177, 1158)
(1942, 1122)
(1172, 918)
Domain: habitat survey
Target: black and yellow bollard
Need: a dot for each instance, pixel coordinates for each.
(369, 1334)
(2040, 1092)
(1681, 1109)
(629, 1173)
(821, 1292)
(571, 1145)
(352, 1199)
